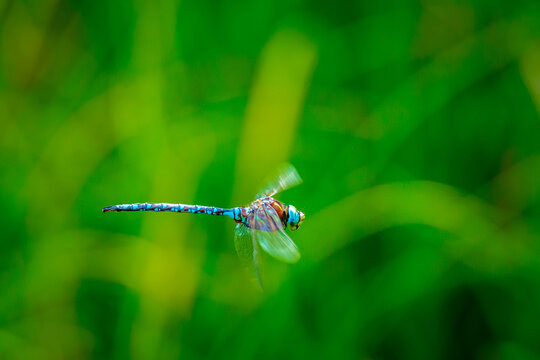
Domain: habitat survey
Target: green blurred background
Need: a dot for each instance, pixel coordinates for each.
(415, 125)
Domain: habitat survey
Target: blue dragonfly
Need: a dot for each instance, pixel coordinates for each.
(262, 224)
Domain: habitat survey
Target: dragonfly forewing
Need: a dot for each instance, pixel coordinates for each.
(286, 178)
(269, 233)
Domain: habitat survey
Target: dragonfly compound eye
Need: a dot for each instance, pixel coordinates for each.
(296, 218)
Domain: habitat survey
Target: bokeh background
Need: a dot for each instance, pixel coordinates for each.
(415, 125)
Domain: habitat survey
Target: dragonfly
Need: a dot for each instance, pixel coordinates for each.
(262, 224)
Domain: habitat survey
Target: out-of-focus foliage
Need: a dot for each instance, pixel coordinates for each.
(415, 125)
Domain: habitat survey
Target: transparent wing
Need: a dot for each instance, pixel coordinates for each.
(286, 178)
(248, 250)
(269, 233)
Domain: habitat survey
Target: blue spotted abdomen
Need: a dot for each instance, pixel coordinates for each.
(237, 213)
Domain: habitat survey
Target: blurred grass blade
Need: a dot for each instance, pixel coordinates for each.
(431, 204)
(275, 105)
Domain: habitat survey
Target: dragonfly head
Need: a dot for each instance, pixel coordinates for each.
(296, 218)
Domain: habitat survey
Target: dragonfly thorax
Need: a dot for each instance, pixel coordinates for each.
(288, 214)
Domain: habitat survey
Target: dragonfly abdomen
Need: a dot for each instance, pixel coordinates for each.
(234, 213)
